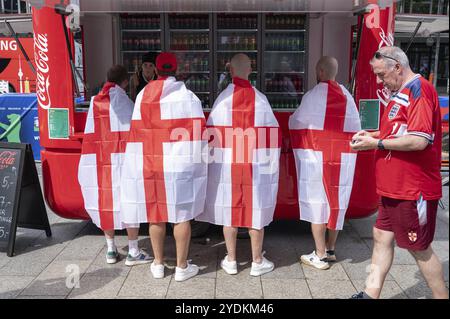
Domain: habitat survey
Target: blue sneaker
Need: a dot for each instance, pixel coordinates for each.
(140, 259)
(112, 257)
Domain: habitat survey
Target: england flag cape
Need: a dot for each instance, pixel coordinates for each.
(164, 173)
(243, 169)
(321, 130)
(105, 134)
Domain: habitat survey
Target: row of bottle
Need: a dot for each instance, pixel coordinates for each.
(284, 103)
(223, 22)
(177, 22)
(280, 42)
(225, 59)
(147, 42)
(285, 22)
(190, 41)
(190, 63)
(141, 22)
(284, 84)
(237, 42)
(197, 83)
(237, 22)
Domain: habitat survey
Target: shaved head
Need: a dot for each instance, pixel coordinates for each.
(241, 66)
(327, 69)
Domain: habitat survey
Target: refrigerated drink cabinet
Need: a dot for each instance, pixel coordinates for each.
(205, 43)
(284, 40)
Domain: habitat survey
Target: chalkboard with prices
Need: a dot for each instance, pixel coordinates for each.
(21, 200)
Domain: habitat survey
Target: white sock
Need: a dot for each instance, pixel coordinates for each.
(133, 248)
(111, 245)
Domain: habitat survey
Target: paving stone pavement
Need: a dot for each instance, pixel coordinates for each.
(71, 264)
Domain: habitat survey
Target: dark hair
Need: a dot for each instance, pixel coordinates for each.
(117, 74)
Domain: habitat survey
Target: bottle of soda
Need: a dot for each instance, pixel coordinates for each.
(282, 44)
(269, 22)
(245, 44)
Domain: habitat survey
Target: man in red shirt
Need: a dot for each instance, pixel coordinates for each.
(408, 162)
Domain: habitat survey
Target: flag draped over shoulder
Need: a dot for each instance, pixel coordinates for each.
(243, 168)
(164, 176)
(321, 130)
(107, 126)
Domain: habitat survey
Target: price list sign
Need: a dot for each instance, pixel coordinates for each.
(9, 168)
(21, 200)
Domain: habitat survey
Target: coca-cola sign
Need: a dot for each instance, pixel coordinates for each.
(43, 74)
(7, 158)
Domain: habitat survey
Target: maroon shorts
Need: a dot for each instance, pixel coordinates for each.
(412, 222)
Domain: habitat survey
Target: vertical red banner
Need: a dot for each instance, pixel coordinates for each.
(54, 83)
(377, 31)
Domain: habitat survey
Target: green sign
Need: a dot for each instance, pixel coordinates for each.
(369, 113)
(58, 123)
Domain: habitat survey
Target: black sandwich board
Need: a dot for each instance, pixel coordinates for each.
(21, 200)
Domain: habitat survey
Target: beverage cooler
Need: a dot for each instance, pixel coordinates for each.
(205, 43)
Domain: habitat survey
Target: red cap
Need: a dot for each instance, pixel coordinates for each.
(166, 62)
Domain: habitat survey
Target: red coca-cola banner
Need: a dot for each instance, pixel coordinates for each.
(377, 31)
(54, 83)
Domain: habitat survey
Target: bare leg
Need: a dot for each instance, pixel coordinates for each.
(230, 235)
(332, 238)
(256, 238)
(382, 257)
(318, 231)
(431, 268)
(109, 234)
(133, 233)
(157, 236)
(182, 234)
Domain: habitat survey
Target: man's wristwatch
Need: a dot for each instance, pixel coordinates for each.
(380, 144)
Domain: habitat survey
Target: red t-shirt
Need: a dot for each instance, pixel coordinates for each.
(408, 175)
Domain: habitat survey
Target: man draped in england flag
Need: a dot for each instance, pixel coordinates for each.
(244, 165)
(321, 130)
(164, 175)
(107, 126)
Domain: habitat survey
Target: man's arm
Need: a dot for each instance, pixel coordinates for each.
(406, 143)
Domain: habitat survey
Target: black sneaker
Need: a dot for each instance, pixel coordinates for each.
(331, 255)
(361, 295)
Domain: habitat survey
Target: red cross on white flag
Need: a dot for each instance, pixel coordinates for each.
(107, 126)
(164, 173)
(321, 130)
(243, 168)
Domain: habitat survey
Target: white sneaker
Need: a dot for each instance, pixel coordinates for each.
(315, 261)
(140, 259)
(157, 270)
(230, 267)
(263, 268)
(184, 274)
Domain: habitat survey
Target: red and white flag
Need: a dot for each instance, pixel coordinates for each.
(164, 173)
(244, 156)
(321, 130)
(105, 134)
